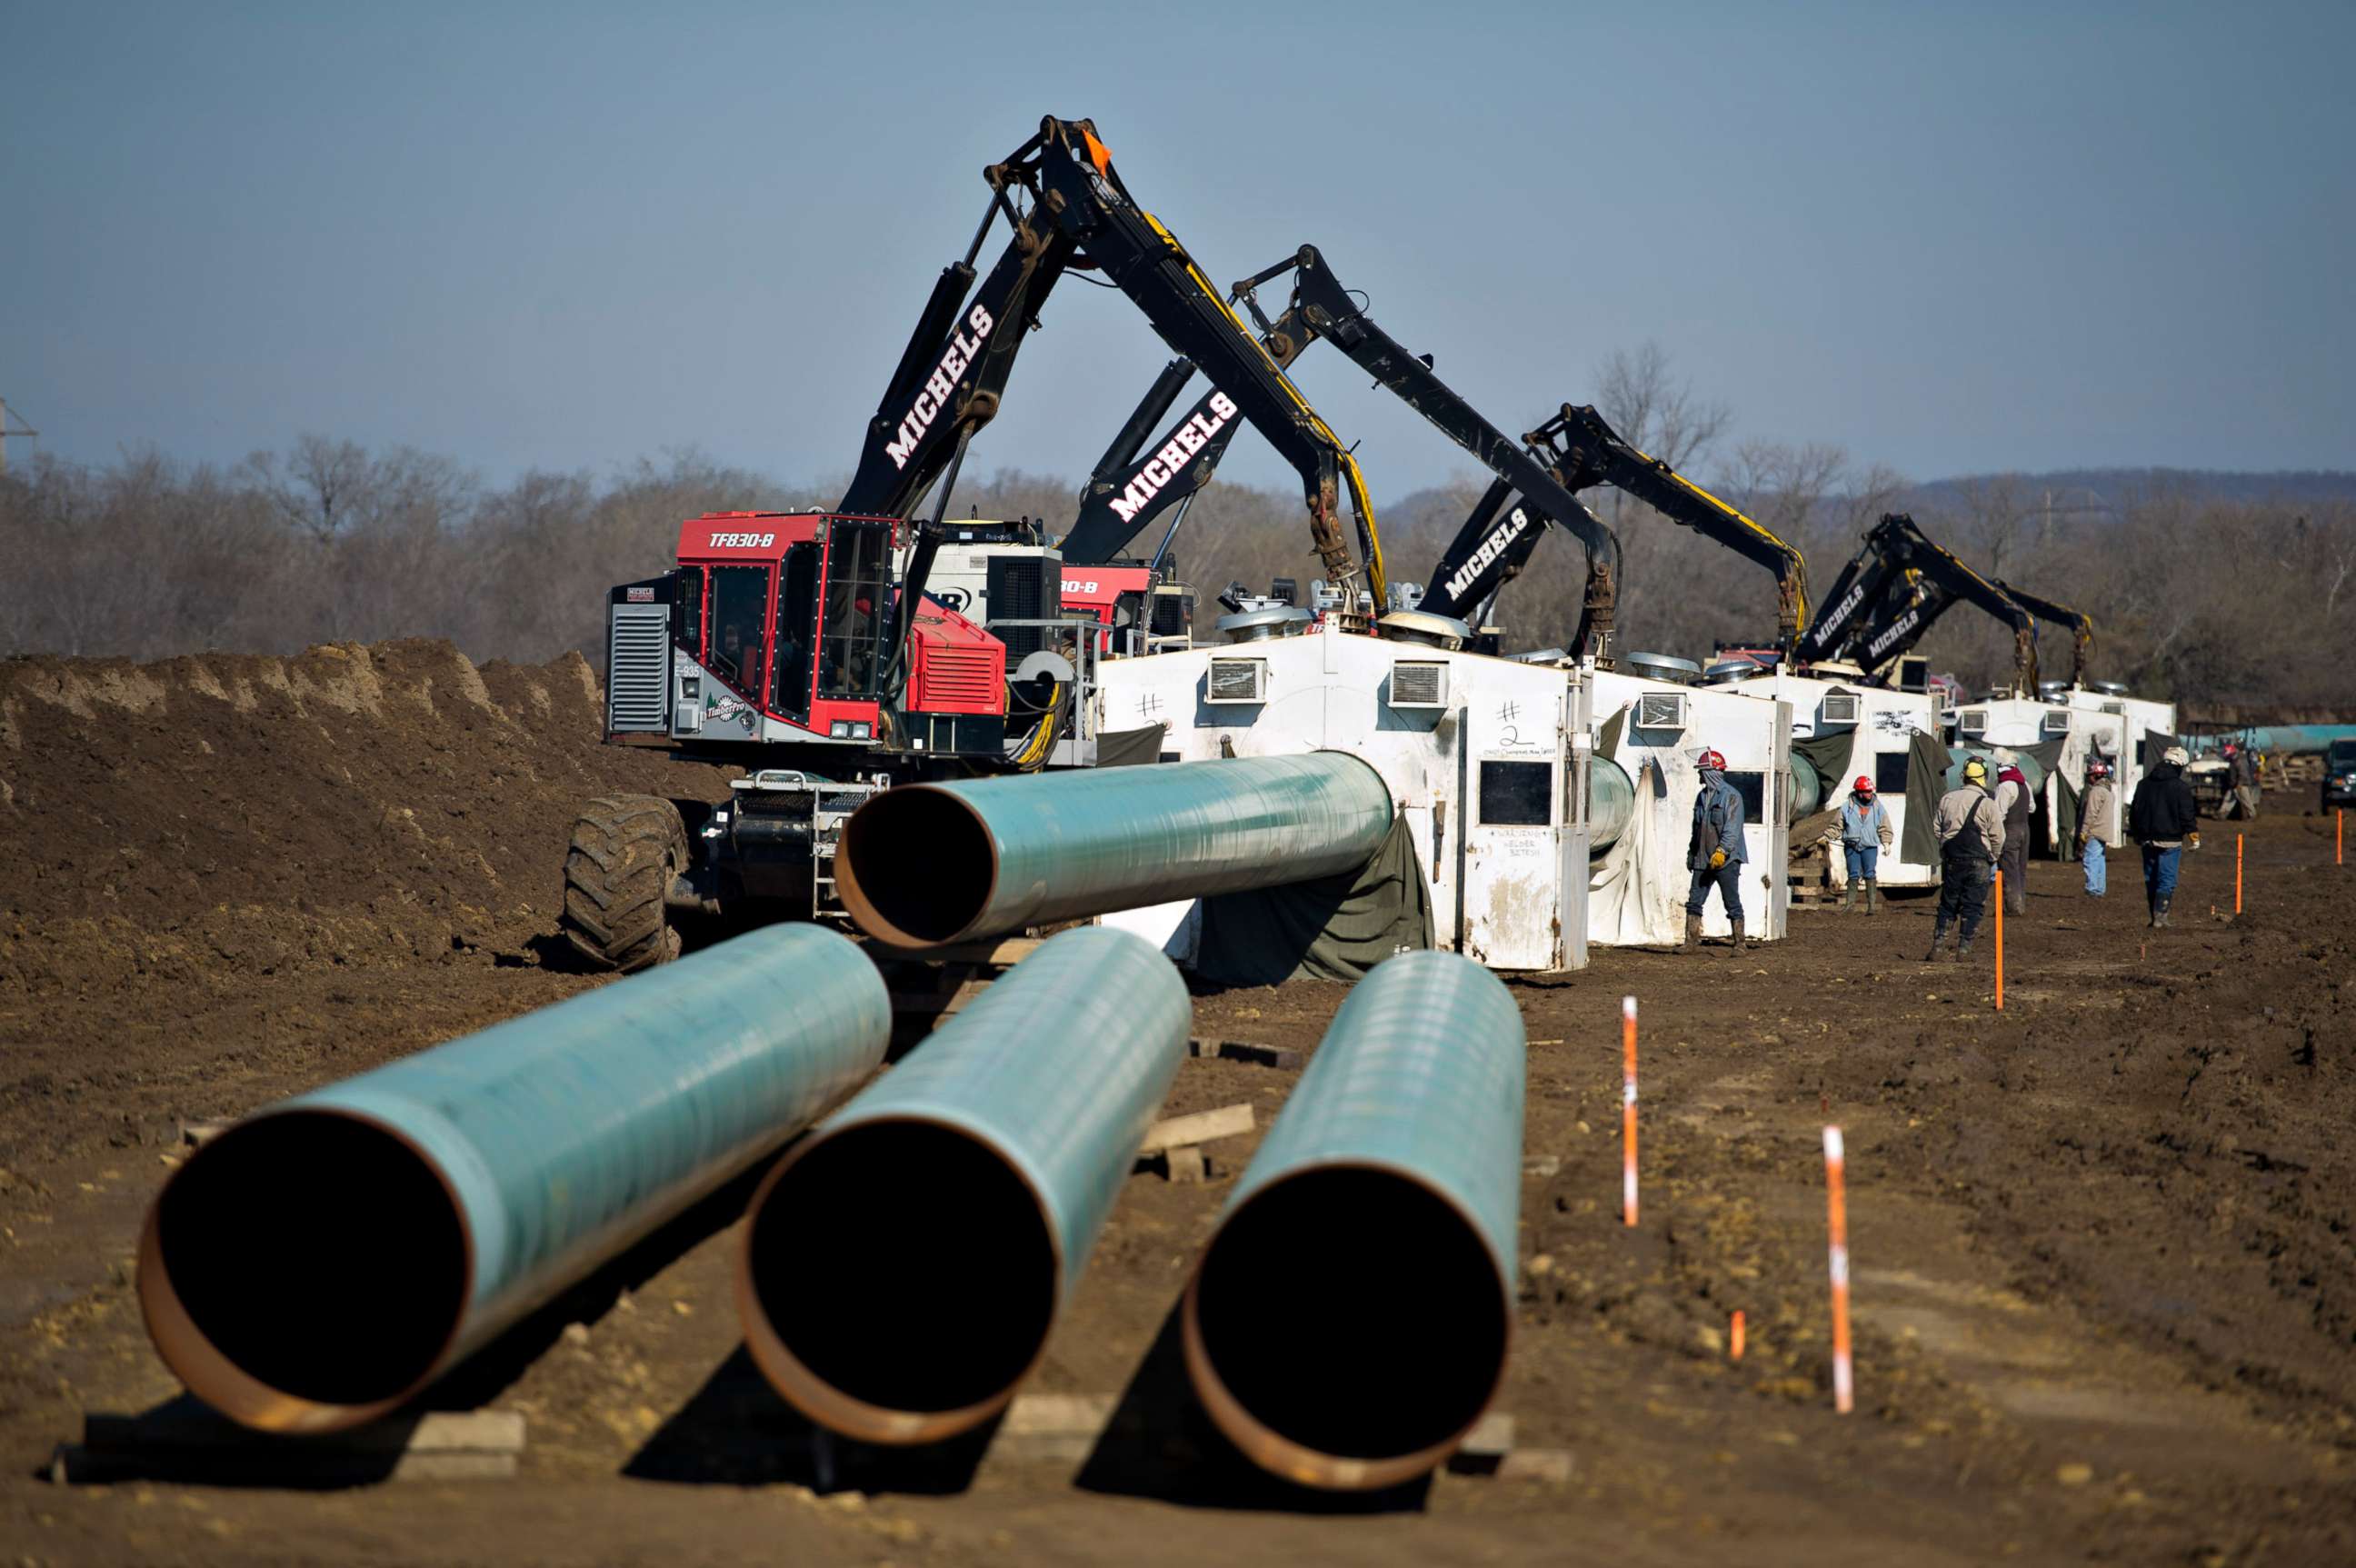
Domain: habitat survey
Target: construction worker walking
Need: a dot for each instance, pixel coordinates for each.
(2244, 761)
(1714, 853)
(2162, 820)
(1865, 832)
(2096, 813)
(1971, 835)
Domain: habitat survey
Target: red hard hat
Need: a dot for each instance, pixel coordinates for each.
(1863, 786)
(1713, 759)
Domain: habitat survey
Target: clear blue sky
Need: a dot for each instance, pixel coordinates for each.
(1950, 238)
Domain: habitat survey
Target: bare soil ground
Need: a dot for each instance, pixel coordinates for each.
(2106, 1292)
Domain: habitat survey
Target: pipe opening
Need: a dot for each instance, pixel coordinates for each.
(906, 1266)
(915, 866)
(1408, 1318)
(310, 1256)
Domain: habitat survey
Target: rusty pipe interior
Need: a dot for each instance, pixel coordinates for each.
(306, 1270)
(876, 1327)
(1397, 1326)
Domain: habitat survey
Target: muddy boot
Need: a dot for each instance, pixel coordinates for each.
(1693, 931)
(1938, 935)
(1872, 897)
(1964, 951)
(1849, 895)
(1739, 944)
(2160, 912)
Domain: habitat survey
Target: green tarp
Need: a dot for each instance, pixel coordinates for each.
(1830, 756)
(1336, 928)
(1130, 747)
(1926, 770)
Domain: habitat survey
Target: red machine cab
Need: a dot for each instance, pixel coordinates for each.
(781, 630)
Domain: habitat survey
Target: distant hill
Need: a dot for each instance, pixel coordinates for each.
(2087, 490)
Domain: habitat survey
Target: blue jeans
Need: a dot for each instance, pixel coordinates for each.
(1727, 879)
(2159, 872)
(1861, 860)
(2097, 868)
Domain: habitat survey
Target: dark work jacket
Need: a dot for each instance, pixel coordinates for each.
(2163, 809)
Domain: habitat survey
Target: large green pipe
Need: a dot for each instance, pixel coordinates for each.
(326, 1258)
(2031, 769)
(1611, 801)
(930, 864)
(902, 1266)
(1808, 788)
(1378, 1221)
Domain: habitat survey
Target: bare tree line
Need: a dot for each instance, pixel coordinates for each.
(2240, 602)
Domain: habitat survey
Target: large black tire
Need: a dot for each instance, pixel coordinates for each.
(627, 851)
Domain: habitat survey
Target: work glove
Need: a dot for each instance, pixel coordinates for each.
(1717, 859)
(2192, 841)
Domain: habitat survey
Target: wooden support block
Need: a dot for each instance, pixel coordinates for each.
(1552, 1466)
(1185, 1165)
(998, 952)
(1283, 1056)
(182, 1440)
(937, 1004)
(1051, 1428)
(1491, 1435)
(1197, 1127)
(196, 1135)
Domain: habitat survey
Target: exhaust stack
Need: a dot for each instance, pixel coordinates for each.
(1400, 1151)
(321, 1263)
(1009, 1131)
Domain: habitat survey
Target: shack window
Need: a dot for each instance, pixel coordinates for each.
(797, 631)
(1889, 773)
(1517, 794)
(1752, 787)
(858, 592)
(740, 617)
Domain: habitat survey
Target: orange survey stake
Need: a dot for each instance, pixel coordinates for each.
(1628, 1110)
(1999, 942)
(1837, 1223)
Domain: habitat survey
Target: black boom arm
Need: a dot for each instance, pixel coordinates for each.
(2081, 625)
(1921, 580)
(1487, 552)
(1582, 445)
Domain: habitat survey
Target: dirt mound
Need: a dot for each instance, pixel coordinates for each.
(213, 816)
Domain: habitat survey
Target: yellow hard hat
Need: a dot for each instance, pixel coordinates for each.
(1975, 771)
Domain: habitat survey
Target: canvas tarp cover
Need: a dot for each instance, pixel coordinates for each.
(1832, 757)
(1333, 928)
(1927, 760)
(1635, 889)
(1130, 747)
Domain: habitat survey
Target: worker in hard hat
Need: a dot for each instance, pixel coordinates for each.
(1714, 853)
(1971, 835)
(2162, 820)
(2012, 805)
(1865, 832)
(2096, 812)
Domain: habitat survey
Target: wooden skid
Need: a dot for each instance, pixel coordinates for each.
(182, 1440)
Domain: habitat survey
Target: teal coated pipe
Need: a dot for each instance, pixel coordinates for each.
(927, 864)
(322, 1261)
(1378, 1221)
(1611, 801)
(902, 1266)
(1808, 788)
(2031, 769)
